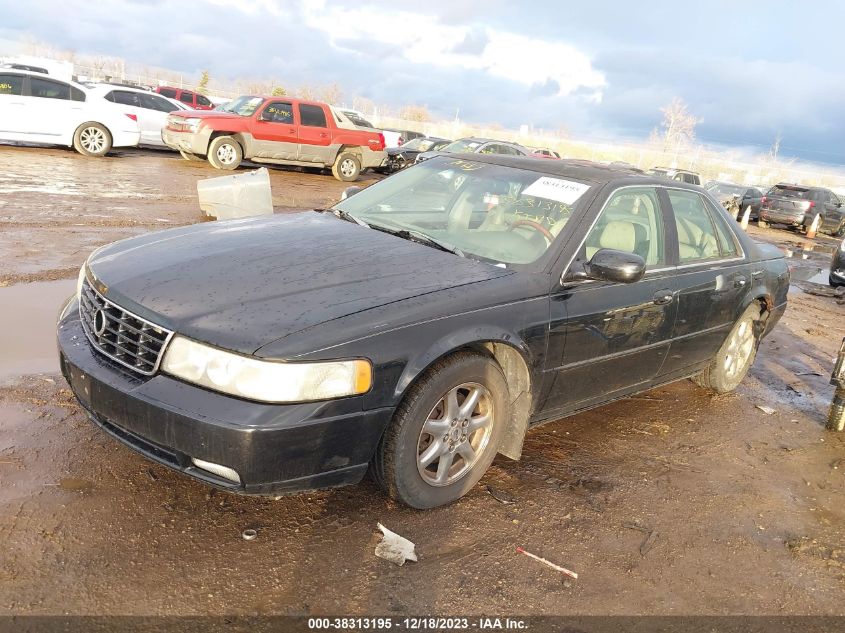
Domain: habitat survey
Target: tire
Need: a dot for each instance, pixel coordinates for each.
(736, 356)
(92, 139)
(840, 232)
(190, 156)
(224, 152)
(346, 167)
(762, 223)
(399, 462)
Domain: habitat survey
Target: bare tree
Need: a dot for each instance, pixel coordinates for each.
(775, 148)
(415, 113)
(330, 94)
(305, 92)
(678, 125)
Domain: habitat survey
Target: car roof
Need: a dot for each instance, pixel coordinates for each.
(38, 75)
(103, 87)
(576, 169)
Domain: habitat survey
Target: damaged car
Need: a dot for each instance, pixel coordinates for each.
(416, 329)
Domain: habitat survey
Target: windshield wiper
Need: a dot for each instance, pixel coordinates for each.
(343, 215)
(420, 238)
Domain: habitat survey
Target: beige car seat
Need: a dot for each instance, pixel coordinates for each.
(618, 235)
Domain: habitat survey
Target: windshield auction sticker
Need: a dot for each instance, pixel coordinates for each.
(566, 191)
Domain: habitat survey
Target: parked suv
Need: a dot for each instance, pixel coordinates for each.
(35, 108)
(683, 175)
(194, 100)
(797, 206)
(276, 130)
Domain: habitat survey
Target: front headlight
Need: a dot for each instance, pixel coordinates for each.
(192, 124)
(80, 279)
(266, 381)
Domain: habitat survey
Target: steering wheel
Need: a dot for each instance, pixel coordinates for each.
(534, 225)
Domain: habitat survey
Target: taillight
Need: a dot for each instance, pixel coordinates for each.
(809, 205)
(764, 200)
(134, 117)
(381, 140)
(400, 141)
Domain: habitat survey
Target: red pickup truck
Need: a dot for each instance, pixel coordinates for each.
(275, 130)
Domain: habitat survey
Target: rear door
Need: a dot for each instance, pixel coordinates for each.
(187, 97)
(154, 110)
(274, 131)
(129, 102)
(13, 111)
(314, 135)
(606, 338)
(711, 279)
(833, 216)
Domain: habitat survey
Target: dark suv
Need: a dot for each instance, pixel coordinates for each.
(683, 175)
(797, 206)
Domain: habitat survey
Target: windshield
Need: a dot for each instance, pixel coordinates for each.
(722, 189)
(788, 192)
(462, 147)
(488, 212)
(420, 144)
(242, 106)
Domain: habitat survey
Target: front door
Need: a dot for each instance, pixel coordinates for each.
(274, 131)
(55, 108)
(13, 111)
(608, 337)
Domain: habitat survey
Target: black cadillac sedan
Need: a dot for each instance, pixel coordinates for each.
(417, 328)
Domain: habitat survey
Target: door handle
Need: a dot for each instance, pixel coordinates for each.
(323, 135)
(739, 283)
(662, 297)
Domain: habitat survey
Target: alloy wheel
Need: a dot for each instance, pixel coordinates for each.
(92, 139)
(347, 167)
(455, 434)
(740, 346)
(226, 154)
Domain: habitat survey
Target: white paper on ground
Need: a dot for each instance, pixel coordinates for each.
(397, 549)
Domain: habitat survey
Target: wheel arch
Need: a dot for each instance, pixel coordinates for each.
(235, 135)
(513, 357)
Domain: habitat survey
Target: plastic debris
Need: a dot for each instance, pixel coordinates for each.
(766, 410)
(563, 570)
(397, 549)
(501, 496)
(249, 535)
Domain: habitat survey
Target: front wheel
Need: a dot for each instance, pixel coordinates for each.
(445, 433)
(735, 357)
(346, 167)
(762, 223)
(92, 139)
(224, 152)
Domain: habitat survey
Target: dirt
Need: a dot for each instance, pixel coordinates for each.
(670, 502)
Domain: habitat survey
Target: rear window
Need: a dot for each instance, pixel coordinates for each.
(167, 92)
(203, 101)
(789, 192)
(11, 84)
(187, 97)
(47, 89)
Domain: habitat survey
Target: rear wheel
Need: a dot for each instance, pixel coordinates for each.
(224, 152)
(762, 223)
(840, 232)
(92, 139)
(445, 433)
(346, 167)
(735, 357)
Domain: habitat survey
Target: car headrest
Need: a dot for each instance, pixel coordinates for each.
(620, 236)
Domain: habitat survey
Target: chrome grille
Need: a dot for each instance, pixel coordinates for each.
(121, 335)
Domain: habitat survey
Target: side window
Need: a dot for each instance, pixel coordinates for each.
(631, 221)
(47, 89)
(833, 197)
(278, 112)
(124, 97)
(11, 84)
(203, 101)
(153, 102)
(76, 94)
(167, 92)
(311, 115)
(187, 97)
(727, 238)
(697, 238)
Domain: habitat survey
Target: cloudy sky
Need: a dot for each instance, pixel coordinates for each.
(749, 70)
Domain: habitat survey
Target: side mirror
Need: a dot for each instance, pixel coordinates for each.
(616, 266)
(350, 191)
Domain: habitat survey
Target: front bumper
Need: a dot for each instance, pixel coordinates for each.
(273, 448)
(191, 142)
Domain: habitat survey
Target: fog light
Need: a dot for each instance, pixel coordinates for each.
(217, 469)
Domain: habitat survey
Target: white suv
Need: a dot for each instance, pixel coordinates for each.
(37, 108)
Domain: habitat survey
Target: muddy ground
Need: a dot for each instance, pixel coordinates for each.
(671, 502)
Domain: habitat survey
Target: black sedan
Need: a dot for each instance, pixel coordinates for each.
(405, 155)
(417, 328)
(837, 266)
(736, 198)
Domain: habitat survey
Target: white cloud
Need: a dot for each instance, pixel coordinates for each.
(506, 55)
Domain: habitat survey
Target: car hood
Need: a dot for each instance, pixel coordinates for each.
(207, 114)
(242, 284)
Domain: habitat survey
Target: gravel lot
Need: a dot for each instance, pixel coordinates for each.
(670, 502)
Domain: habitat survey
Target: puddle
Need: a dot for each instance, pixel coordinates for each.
(74, 484)
(28, 327)
(812, 274)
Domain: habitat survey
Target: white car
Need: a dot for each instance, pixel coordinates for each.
(37, 108)
(151, 109)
